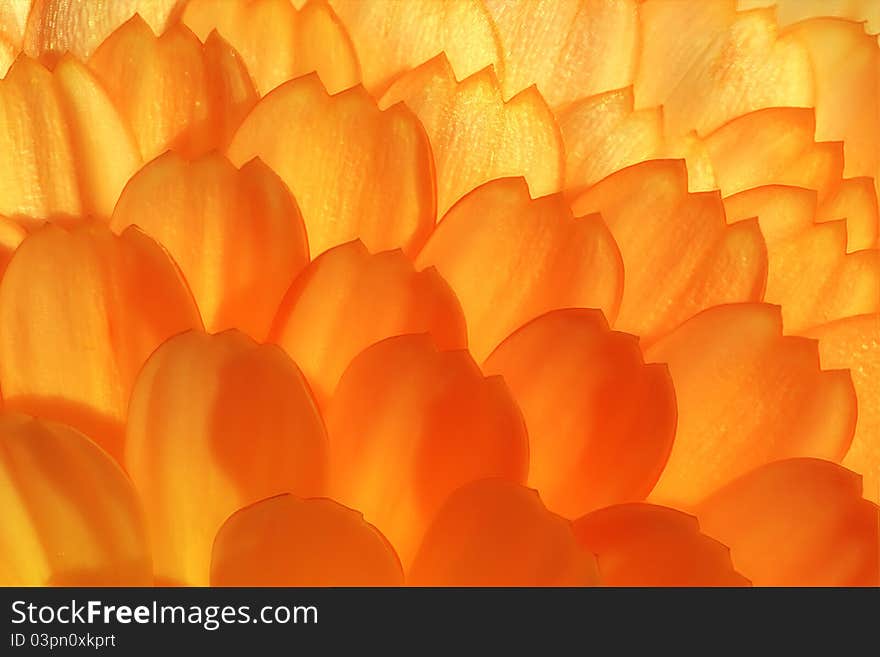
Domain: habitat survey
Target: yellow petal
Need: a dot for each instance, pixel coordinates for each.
(175, 92)
(80, 312)
(321, 322)
(286, 541)
(679, 255)
(600, 421)
(13, 19)
(393, 37)
(409, 424)
(569, 49)
(497, 533)
(381, 191)
(854, 199)
(216, 422)
(70, 515)
(64, 148)
(476, 136)
(236, 234)
(11, 235)
(279, 42)
(746, 396)
(792, 11)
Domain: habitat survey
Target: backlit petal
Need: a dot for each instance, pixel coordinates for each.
(648, 545)
(70, 515)
(348, 299)
(600, 421)
(797, 522)
(216, 422)
(409, 424)
(792, 11)
(476, 136)
(496, 533)
(746, 396)
(381, 190)
(11, 235)
(80, 312)
(510, 258)
(237, 234)
(854, 199)
(679, 255)
(287, 541)
(13, 19)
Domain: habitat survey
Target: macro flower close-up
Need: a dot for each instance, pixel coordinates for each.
(440, 293)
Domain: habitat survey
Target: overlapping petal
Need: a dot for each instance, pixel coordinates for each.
(854, 199)
(746, 396)
(409, 424)
(11, 235)
(497, 533)
(80, 312)
(348, 299)
(345, 194)
(287, 541)
(216, 422)
(600, 421)
(237, 235)
(13, 20)
(511, 258)
(70, 515)
(791, 11)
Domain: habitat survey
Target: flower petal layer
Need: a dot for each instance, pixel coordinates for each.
(476, 136)
(707, 64)
(13, 19)
(600, 421)
(510, 258)
(647, 545)
(287, 541)
(603, 134)
(301, 41)
(496, 533)
(80, 312)
(679, 255)
(348, 299)
(237, 235)
(298, 129)
(216, 422)
(854, 343)
(64, 148)
(409, 424)
(746, 396)
(11, 235)
(797, 522)
(792, 11)
(854, 199)
(569, 49)
(70, 515)
(414, 32)
(175, 92)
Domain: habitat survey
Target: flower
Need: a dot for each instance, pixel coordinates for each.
(446, 292)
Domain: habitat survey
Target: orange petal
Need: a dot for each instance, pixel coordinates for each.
(809, 272)
(299, 41)
(475, 135)
(13, 18)
(174, 91)
(603, 134)
(679, 255)
(236, 234)
(286, 541)
(348, 299)
(496, 533)
(746, 396)
(382, 191)
(569, 49)
(55, 27)
(393, 37)
(854, 199)
(80, 312)
(510, 258)
(707, 64)
(600, 421)
(854, 343)
(216, 422)
(409, 424)
(70, 515)
(64, 149)
(774, 146)
(797, 522)
(792, 11)
(648, 545)
(11, 235)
